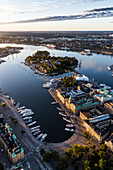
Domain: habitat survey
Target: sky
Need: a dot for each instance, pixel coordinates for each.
(56, 15)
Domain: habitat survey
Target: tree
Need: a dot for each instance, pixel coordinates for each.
(102, 164)
(22, 132)
(1, 166)
(69, 152)
(103, 147)
(42, 151)
(86, 165)
(62, 164)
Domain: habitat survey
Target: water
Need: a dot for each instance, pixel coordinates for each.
(26, 87)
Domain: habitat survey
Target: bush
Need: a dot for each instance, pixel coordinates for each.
(42, 151)
(62, 164)
(103, 147)
(47, 156)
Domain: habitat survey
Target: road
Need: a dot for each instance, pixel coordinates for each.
(28, 142)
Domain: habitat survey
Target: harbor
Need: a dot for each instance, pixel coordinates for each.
(27, 88)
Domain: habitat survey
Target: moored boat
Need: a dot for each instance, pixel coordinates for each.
(62, 114)
(39, 136)
(69, 125)
(53, 102)
(43, 137)
(36, 133)
(70, 130)
(60, 109)
(31, 123)
(67, 120)
(35, 127)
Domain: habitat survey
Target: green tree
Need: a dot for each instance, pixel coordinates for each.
(103, 147)
(102, 164)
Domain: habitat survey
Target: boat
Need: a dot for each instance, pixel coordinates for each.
(31, 123)
(27, 114)
(69, 121)
(35, 127)
(60, 109)
(21, 108)
(62, 114)
(39, 136)
(26, 118)
(6, 96)
(18, 104)
(112, 74)
(26, 110)
(28, 121)
(53, 102)
(47, 85)
(70, 130)
(69, 125)
(43, 137)
(35, 130)
(36, 133)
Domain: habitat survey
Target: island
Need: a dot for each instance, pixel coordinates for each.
(42, 63)
(5, 51)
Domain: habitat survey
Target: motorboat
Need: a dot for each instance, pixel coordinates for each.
(39, 136)
(70, 125)
(31, 123)
(43, 137)
(60, 109)
(70, 130)
(35, 127)
(67, 120)
(62, 114)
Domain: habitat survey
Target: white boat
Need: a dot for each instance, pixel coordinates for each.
(69, 125)
(69, 121)
(6, 96)
(27, 114)
(35, 130)
(26, 118)
(31, 123)
(60, 113)
(60, 109)
(28, 121)
(43, 137)
(35, 127)
(47, 85)
(22, 107)
(36, 133)
(70, 130)
(39, 136)
(112, 74)
(26, 110)
(53, 102)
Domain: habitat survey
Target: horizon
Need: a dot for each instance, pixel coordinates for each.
(48, 15)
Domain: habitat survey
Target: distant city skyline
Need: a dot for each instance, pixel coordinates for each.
(56, 15)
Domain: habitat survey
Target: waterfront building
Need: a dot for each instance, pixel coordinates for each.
(10, 143)
(109, 107)
(109, 142)
(99, 127)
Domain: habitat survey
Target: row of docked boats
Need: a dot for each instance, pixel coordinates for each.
(70, 126)
(26, 115)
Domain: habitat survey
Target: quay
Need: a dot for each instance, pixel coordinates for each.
(30, 145)
(77, 137)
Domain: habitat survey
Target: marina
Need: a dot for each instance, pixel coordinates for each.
(30, 92)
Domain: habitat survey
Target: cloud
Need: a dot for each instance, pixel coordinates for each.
(93, 13)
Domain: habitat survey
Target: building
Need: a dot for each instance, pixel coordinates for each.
(99, 127)
(109, 107)
(10, 143)
(109, 142)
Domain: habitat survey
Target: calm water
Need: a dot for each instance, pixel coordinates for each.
(26, 87)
